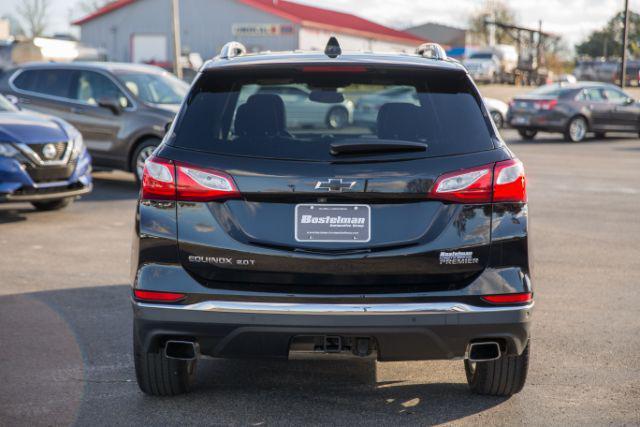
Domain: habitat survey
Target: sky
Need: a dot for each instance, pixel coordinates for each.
(571, 19)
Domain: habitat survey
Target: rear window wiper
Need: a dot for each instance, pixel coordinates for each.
(380, 146)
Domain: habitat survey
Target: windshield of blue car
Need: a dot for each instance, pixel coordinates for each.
(298, 115)
(6, 105)
(154, 88)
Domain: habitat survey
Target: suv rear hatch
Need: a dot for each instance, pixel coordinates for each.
(276, 194)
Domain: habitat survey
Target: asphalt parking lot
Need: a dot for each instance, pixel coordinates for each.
(65, 320)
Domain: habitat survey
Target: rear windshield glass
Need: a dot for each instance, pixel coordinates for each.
(299, 114)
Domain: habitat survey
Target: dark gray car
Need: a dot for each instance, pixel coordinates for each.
(574, 110)
(120, 109)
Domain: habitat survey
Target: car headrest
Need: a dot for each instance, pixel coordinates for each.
(401, 120)
(261, 115)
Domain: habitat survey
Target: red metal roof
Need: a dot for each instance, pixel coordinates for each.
(308, 16)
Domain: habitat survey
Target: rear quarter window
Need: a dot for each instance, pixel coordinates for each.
(293, 114)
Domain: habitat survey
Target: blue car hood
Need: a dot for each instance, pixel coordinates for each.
(29, 128)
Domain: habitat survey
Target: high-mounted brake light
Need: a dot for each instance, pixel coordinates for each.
(158, 179)
(500, 182)
(519, 298)
(153, 296)
(203, 185)
(334, 69)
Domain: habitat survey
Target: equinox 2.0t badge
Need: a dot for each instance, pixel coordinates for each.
(335, 185)
(457, 258)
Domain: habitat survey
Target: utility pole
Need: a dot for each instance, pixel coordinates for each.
(625, 36)
(177, 50)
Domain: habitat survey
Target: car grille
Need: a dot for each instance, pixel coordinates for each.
(39, 149)
(42, 174)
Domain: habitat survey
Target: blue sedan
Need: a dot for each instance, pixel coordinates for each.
(43, 159)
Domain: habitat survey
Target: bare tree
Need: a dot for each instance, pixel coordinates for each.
(34, 14)
(491, 10)
(89, 6)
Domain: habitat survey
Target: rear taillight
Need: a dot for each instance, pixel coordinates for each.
(204, 185)
(500, 182)
(466, 186)
(546, 104)
(165, 180)
(158, 179)
(519, 298)
(153, 296)
(509, 184)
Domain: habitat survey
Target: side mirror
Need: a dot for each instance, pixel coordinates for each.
(629, 101)
(112, 104)
(167, 126)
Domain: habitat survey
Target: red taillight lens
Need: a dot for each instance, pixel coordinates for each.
(158, 296)
(546, 104)
(519, 298)
(164, 180)
(502, 182)
(509, 184)
(203, 185)
(465, 186)
(158, 179)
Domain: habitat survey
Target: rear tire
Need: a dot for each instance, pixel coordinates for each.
(502, 377)
(527, 134)
(158, 375)
(142, 152)
(576, 129)
(53, 205)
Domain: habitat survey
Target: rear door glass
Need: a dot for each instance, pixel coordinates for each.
(298, 115)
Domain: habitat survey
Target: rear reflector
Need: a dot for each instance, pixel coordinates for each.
(509, 298)
(158, 296)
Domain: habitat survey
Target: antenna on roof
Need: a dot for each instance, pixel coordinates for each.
(333, 49)
(232, 49)
(431, 51)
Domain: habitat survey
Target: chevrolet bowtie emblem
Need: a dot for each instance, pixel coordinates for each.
(333, 185)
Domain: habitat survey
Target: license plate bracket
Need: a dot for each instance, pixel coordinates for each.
(332, 223)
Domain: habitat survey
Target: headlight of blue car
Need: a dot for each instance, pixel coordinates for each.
(7, 150)
(75, 138)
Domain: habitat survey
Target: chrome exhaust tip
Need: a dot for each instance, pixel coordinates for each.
(484, 351)
(181, 350)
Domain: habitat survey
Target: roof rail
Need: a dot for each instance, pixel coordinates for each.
(432, 51)
(231, 50)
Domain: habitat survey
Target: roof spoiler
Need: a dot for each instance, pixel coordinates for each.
(432, 51)
(231, 50)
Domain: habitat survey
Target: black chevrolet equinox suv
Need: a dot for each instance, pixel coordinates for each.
(401, 240)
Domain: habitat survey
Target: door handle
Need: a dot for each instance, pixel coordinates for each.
(77, 110)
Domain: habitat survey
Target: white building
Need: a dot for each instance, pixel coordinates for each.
(140, 30)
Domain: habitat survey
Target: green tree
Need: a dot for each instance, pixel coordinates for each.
(491, 10)
(607, 41)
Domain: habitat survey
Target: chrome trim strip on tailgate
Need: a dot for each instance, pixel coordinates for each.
(356, 309)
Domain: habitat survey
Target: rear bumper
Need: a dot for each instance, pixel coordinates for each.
(405, 331)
